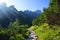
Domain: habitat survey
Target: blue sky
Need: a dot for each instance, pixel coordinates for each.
(28, 4)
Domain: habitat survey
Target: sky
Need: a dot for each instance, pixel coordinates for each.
(27, 4)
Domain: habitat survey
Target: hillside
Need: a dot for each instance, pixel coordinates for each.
(47, 25)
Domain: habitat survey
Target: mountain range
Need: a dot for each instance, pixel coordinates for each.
(10, 14)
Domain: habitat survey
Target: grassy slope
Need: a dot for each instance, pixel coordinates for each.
(47, 32)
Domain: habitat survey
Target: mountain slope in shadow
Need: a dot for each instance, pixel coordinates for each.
(9, 14)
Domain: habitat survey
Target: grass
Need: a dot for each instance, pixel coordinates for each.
(45, 32)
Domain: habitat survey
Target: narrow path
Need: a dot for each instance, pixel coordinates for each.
(32, 35)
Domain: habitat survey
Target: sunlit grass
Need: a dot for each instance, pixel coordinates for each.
(45, 32)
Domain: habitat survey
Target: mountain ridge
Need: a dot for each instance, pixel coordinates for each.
(9, 14)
